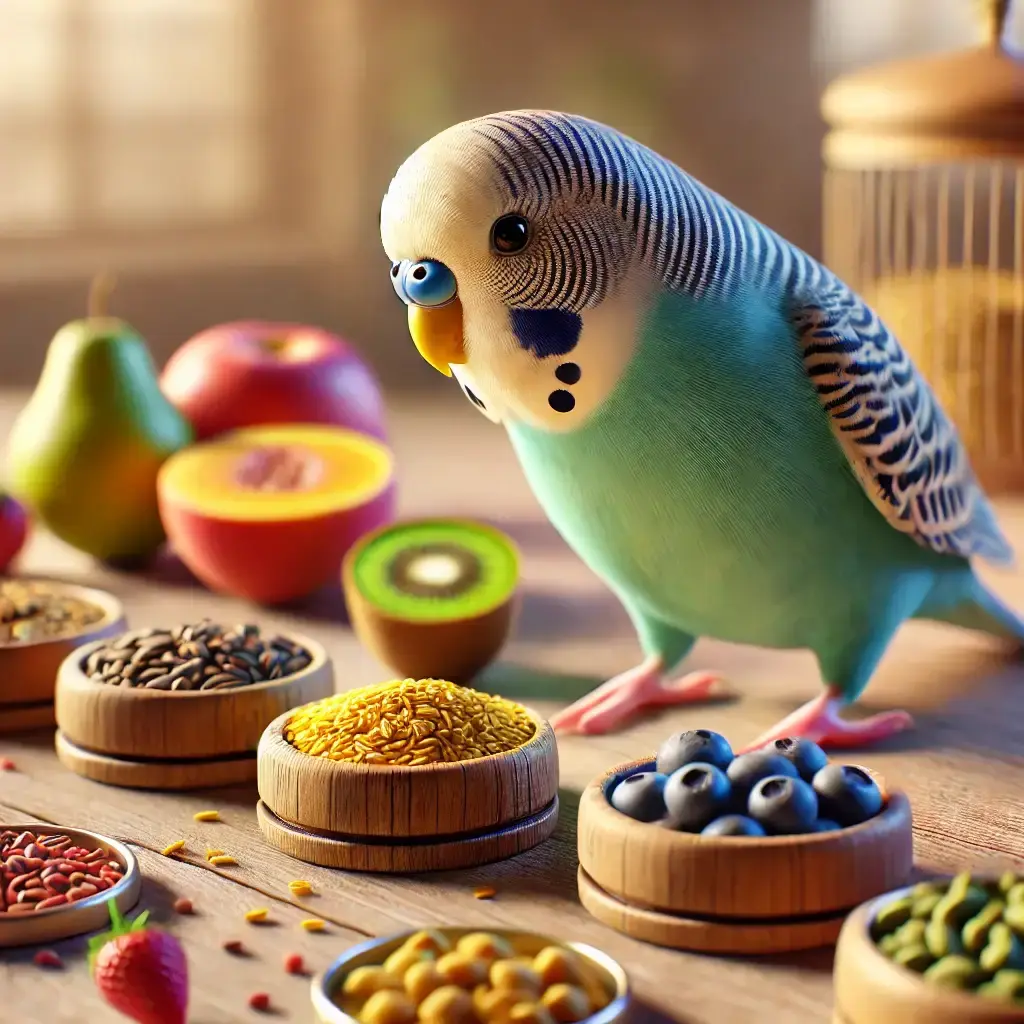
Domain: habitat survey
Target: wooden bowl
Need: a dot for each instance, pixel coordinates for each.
(607, 972)
(28, 671)
(88, 915)
(167, 739)
(870, 988)
(400, 819)
(728, 894)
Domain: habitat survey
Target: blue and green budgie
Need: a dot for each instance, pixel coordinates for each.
(719, 427)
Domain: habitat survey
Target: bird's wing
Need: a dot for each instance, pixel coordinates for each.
(904, 450)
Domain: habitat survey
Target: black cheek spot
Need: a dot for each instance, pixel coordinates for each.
(561, 401)
(472, 397)
(569, 373)
(546, 332)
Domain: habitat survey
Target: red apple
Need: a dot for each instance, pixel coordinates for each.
(254, 373)
(13, 530)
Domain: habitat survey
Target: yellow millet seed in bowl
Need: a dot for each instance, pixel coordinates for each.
(409, 722)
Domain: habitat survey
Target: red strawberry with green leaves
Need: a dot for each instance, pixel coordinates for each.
(140, 971)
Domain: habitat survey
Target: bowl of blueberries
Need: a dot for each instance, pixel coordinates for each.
(700, 839)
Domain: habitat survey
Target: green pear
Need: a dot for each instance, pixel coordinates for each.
(85, 451)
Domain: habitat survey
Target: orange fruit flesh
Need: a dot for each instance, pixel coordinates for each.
(276, 473)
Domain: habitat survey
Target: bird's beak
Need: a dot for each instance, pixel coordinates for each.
(437, 334)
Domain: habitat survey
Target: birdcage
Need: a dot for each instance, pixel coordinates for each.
(924, 217)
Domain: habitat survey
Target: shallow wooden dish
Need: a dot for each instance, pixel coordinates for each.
(88, 915)
(165, 739)
(870, 988)
(606, 971)
(732, 895)
(28, 671)
(402, 819)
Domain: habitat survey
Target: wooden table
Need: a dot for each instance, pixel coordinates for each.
(962, 769)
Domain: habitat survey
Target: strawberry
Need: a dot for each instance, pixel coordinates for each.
(140, 971)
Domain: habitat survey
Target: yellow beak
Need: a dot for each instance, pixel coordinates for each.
(437, 335)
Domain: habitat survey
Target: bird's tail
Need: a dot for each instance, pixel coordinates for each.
(975, 607)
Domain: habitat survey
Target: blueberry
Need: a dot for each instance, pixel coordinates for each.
(696, 745)
(847, 794)
(808, 757)
(733, 825)
(695, 795)
(640, 796)
(825, 825)
(749, 769)
(784, 805)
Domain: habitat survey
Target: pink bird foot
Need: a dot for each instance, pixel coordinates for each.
(623, 696)
(819, 720)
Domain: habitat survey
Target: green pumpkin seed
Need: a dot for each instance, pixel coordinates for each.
(916, 957)
(975, 932)
(953, 972)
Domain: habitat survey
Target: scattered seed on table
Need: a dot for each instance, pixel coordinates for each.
(257, 916)
(223, 861)
(485, 892)
(47, 958)
(234, 946)
(206, 816)
(7, 765)
(48, 870)
(312, 924)
(299, 888)
(183, 905)
(211, 853)
(259, 1001)
(171, 849)
(294, 964)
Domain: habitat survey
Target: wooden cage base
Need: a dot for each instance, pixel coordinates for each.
(719, 936)
(410, 856)
(155, 774)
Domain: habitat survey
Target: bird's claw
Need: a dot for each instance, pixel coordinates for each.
(819, 721)
(620, 698)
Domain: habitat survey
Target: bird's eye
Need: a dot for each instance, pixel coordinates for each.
(510, 234)
(429, 283)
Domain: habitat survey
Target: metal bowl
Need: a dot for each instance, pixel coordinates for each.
(88, 915)
(608, 971)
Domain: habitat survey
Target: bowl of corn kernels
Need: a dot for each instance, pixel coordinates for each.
(467, 976)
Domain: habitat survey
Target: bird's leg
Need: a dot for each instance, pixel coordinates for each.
(629, 692)
(819, 720)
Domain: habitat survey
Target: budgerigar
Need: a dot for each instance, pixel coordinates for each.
(718, 426)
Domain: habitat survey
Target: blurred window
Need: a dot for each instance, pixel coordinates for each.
(129, 115)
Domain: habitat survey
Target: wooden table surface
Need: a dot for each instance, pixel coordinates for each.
(962, 769)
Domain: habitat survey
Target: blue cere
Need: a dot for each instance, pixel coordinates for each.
(546, 332)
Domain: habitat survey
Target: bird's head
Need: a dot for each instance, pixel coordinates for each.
(510, 246)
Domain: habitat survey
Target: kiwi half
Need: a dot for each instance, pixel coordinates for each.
(433, 598)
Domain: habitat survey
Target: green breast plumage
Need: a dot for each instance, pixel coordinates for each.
(708, 489)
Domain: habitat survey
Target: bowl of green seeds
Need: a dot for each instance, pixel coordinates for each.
(945, 951)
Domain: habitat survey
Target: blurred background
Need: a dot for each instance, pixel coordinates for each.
(227, 157)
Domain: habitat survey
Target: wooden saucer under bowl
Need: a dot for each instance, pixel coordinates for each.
(728, 894)
(165, 739)
(403, 819)
(28, 670)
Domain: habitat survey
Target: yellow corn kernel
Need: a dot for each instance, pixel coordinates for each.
(312, 924)
(258, 915)
(223, 861)
(206, 816)
(176, 847)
